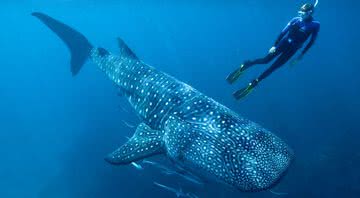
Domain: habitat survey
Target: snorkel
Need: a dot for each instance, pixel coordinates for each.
(316, 3)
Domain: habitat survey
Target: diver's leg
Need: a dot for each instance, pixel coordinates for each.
(283, 58)
(236, 74)
(277, 64)
(265, 60)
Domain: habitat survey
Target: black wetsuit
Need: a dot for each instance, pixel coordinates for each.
(291, 39)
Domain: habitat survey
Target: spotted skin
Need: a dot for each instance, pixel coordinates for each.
(195, 131)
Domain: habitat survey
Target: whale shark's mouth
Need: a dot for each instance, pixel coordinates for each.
(263, 166)
(275, 171)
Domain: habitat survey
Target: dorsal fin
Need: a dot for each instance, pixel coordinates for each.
(125, 50)
(144, 143)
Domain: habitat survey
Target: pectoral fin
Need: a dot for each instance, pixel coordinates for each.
(144, 143)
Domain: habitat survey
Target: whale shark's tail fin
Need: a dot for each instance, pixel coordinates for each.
(79, 46)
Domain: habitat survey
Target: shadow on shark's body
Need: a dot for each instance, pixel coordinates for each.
(193, 130)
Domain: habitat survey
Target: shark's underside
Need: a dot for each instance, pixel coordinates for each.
(193, 130)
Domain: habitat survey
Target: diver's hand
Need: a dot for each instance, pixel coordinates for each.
(300, 57)
(272, 50)
(296, 60)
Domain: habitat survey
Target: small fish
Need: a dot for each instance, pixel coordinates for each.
(182, 173)
(178, 192)
(191, 195)
(122, 108)
(137, 166)
(278, 193)
(192, 179)
(149, 162)
(128, 124)
(185, 175)
(157, 165)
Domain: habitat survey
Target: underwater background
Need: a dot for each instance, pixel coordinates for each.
(56, 129)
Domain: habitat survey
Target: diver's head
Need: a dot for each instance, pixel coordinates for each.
(306, 11)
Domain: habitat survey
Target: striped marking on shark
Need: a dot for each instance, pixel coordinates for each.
(193, 130)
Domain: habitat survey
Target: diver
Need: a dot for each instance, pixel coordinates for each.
(290, 40)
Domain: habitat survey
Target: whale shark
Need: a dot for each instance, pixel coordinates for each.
(193, 130)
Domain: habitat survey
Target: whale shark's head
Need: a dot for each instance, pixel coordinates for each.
(237, 152)
(255, 159)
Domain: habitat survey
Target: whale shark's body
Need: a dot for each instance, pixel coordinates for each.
(193, 130)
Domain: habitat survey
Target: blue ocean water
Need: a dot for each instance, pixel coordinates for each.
(56, 129)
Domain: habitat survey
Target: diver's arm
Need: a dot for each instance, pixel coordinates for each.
(285, 30)
(308, 46)
(282, 34)
(311, 42)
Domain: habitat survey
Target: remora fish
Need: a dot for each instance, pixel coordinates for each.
(181, 173)
(178, 192)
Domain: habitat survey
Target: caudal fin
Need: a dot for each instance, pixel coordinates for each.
(78, 45)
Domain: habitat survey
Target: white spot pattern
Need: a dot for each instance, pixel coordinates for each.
(195, 129)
